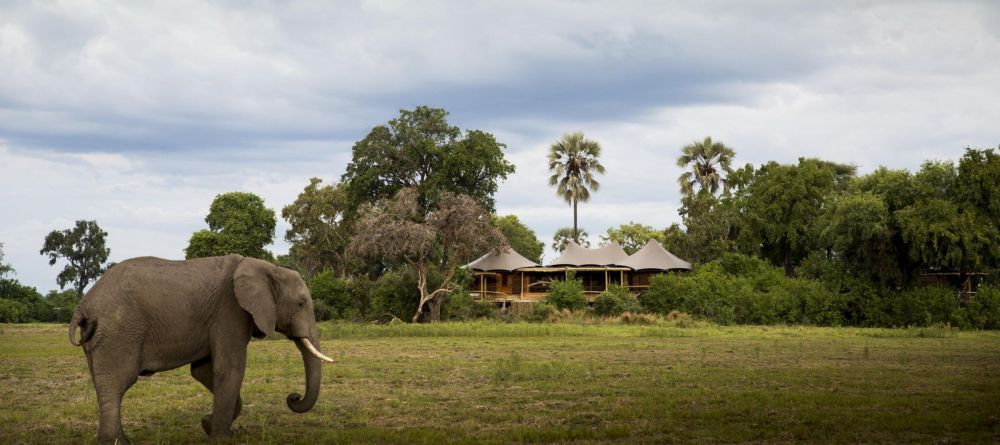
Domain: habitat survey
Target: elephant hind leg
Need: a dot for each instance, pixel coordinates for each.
(202, 372)
(110, 390)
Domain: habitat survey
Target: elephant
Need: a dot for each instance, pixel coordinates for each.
(149, 314)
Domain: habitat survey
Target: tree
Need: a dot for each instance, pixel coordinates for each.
(780, 205)
(708, 160)
(319, 231)
(942, 228)
(573, 161)
(567, 234)
(858, 228)
(399, 228)
(238, 222)
(419, 149)
(83, 248)
(633, 236)
(519, 237)
(4, 267)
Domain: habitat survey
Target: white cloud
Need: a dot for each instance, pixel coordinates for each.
(137, 115)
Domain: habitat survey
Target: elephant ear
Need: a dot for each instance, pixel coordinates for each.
(254, 288)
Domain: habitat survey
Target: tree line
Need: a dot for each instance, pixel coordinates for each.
(417, 200)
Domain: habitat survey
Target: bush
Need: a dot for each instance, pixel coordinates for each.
(322, 311)
(341, 298)
(567, 294)
(63, 304)
(13, 311)
(984, 309)
(540, 312)
(395, 294)
(616, 301)
(460, 306)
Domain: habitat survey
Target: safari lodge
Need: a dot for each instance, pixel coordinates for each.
(509, 277)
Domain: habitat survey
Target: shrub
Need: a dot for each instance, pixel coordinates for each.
(567, 294)
(984, 309)
(665, 293)
(540, 312)
(63, 304)
(615, 301)
(460, 306)
(395, 294)
(13, 311)
(338, 297)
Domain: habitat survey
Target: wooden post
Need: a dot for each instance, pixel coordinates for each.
(605, 280)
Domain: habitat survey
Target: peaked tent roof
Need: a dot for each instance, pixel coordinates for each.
(653, 256)
(575, 255)
(507, 261)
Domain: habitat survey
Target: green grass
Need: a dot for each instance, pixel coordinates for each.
(496, 383)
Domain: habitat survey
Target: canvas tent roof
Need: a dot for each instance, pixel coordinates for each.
(653, 256)
(575, 255)
(507, 260)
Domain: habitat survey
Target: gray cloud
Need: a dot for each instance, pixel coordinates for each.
(137, 114)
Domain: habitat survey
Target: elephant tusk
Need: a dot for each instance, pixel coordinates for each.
(314, 351)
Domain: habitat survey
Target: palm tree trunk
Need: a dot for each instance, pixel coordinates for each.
(576, 233)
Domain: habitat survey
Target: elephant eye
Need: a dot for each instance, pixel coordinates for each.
(302, 304)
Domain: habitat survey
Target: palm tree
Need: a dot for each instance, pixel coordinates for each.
(705, 158)
(573, 163)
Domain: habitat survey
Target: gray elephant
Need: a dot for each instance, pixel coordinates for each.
(148, 314)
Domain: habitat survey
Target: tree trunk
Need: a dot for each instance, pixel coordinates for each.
(434, 309)
(576, 233)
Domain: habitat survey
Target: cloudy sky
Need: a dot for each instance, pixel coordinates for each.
(137, 114)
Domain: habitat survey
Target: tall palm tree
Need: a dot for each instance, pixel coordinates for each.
(573, 163)
(706, 158)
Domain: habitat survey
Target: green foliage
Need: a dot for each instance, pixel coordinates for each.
(520, 237)
(616, 301)
(419, 149)
(744, 290)
(395, 294)
(83, 248)
(859, 227)
(567, 294)
(319, 231)
(238, 222)
(984, 310)
(4, 267)
(780, 205)
(574, 161)
(540, 312)
(459, 306)
(708, 161)
(13, 311)
(565, 235)
(633, 236)
(339, 298)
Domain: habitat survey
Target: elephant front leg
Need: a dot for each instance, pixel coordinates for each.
(226, 382)
(202, 372)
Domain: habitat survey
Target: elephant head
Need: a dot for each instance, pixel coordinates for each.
(278, 300)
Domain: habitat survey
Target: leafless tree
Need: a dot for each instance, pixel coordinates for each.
(455, 229)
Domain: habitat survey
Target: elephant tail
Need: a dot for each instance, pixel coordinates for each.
(87, 328)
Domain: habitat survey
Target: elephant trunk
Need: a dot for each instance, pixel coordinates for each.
(312, 365)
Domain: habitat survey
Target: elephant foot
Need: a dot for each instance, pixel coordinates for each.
(206, 424)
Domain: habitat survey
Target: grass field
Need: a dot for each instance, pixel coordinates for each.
(545, 383)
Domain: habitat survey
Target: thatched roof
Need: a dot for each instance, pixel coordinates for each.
(653, 256)
(575, 255)
(507, 260)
